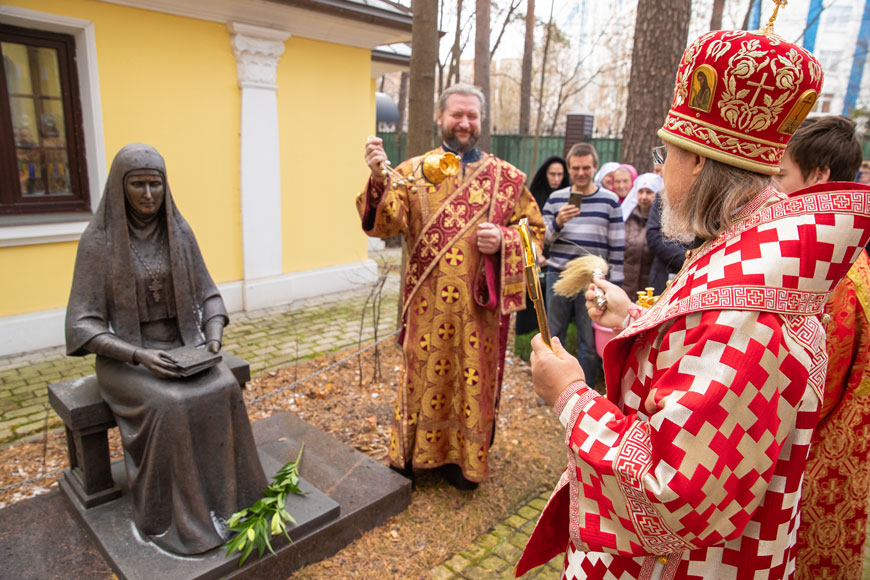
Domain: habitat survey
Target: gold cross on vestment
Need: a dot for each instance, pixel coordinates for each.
(455, 216)
(430, 244)
(760, 86)
(476, 193)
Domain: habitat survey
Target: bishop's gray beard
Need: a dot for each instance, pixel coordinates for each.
(675, 224)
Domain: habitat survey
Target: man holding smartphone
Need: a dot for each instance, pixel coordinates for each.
(581, 219)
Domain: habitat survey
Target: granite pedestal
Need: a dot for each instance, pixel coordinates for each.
(362, 492)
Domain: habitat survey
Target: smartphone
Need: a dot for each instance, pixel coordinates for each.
(576, 199)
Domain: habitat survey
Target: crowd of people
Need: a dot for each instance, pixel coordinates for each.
(728, 441)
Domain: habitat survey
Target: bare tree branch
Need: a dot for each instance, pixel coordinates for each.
(507, 20)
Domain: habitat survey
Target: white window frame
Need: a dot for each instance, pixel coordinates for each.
(58, 227)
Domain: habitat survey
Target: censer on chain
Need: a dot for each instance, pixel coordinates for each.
(435, 168)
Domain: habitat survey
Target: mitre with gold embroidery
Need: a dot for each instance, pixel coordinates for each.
(740, 96)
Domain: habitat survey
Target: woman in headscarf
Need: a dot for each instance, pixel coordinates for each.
(141, 288)
(551, 175)
(635, 211)
(604, 177)
(622, 182)
(631, 170)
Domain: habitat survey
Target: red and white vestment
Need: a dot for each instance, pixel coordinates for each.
(691, 466)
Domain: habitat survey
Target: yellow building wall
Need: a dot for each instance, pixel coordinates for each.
(36, 277)
(170, 82)
(325, 112)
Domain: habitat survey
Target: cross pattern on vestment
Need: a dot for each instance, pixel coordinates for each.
(450, 294)
(454, 256)
(476, 194)
(438, 401)
(829, 491)
(442, 367)
(429, 244)
(446, 331)
(760, 85)
(471, 376)
(455, 215)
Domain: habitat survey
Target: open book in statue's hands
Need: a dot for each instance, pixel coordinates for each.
(191, 360)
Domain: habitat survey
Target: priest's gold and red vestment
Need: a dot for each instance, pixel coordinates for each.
(836, 489)
(456, 306)
(691, 467)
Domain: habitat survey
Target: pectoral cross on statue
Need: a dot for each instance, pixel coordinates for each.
(155, 287)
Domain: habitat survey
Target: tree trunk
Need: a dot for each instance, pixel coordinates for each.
(424, 56)
(716, 16)
(526, 81)
(481, 67)
(654, 62)
(403, 109)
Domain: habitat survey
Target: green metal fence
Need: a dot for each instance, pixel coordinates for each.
(518, 150)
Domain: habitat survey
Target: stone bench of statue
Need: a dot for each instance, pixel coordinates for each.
(140, 290)
(87, 419)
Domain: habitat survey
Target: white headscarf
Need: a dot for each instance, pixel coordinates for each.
(605, 170)
(645, 181)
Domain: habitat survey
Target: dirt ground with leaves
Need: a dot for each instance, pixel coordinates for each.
(441, 521)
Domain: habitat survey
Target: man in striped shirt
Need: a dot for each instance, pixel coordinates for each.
(595, 227)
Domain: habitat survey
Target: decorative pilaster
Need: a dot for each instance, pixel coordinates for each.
(257, 53)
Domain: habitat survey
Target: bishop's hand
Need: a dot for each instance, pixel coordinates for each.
(615, 310)
(553, 370)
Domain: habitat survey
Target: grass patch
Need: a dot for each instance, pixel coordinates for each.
(523, 342)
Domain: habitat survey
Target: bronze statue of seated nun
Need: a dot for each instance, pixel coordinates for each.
(141, 288)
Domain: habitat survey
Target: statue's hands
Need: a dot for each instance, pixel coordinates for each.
(158, 362)
(375, 155)
(553, 371)
(616, 308)
(213, 346)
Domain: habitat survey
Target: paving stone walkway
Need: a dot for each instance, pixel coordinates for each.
(493, 555)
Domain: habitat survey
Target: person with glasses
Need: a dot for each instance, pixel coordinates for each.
(691, 465)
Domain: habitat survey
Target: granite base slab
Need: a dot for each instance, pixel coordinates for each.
(365, 493)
